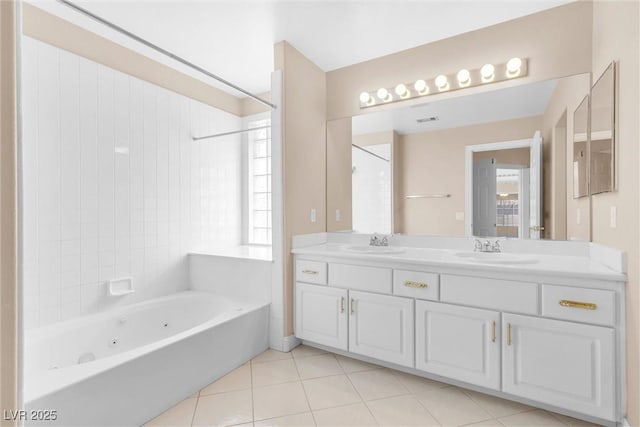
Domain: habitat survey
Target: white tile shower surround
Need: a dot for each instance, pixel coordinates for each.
(309, 387)
(114, 186)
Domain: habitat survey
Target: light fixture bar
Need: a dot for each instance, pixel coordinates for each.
(462, 79)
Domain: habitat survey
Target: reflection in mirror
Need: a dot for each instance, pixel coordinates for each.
(371, 184)
(501, 192)
(428, 165)
(580, 158)
(602, 140)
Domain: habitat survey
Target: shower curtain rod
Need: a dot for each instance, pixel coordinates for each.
(163, 51)
(233, 132)
(370, 152)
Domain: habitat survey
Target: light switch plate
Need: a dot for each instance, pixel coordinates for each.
(338, 216)
(313, 217)
(614, 217)
(459, 216)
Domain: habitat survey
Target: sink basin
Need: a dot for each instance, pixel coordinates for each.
(497, 258)
(375, 249)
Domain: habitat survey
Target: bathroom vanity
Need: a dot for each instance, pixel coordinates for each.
(541, 323)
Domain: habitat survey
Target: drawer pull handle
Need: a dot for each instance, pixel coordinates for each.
(508, 333)
(352, 306)
(578, 304)
(493, 331)
(341, 304)
(309, 271)
(419, 285)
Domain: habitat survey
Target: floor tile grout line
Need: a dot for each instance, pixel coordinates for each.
(195, 408)
(253, 409)
(304, 390)
(468, 393)
(361, 397)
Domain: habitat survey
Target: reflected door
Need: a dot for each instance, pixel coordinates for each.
(484, 197)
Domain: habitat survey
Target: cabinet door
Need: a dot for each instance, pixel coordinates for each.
(458, 342)
(565, 364)
(321, 315)
(381, 326)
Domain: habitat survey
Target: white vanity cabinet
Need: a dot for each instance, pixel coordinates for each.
(549, 342)
(458, 342)
(562, 363)
(321, 315)
(381, 326)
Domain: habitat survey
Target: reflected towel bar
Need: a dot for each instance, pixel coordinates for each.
(430, 196)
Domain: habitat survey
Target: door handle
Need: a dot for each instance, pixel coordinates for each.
(352, 306)
(537, 228)
(493, 331)
(508, 333)
(341, 304)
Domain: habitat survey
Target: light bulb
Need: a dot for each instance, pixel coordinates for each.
(401, 91)
(365, 97)
(513, 66)
(464, 76)
(487, 71)
(383, 94)
(442, 82)
(421, 87)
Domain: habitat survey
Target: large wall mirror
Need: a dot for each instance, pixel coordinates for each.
(496, 163)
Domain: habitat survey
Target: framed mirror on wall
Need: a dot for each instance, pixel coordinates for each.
(422, 188)
(581, 149)
(602, 133)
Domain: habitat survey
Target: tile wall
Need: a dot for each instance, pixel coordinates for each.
(114, 186)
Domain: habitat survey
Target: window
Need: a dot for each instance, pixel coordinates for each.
(259, 184)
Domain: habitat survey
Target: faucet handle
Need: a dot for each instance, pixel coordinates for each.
(477, 245)
(496, 246)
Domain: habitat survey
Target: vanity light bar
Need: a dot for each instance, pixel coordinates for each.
(465, 78)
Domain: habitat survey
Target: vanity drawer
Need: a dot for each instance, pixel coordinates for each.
(372, 279)
(311, 271)
(416, 284)
(580, 304)
(504, 295)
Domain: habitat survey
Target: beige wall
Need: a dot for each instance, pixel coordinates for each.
(304, 150)
(512, 156)
(561, 209)
(434, 163)
(8, 213)
(616, 38)
(339, 174)
(50, 29)
(556, 41)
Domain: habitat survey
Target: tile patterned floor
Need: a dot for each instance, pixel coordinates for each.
(309, 387)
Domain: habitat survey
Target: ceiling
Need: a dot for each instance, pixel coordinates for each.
(234, 39)
(503, 104)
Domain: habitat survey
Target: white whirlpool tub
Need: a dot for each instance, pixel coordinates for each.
(124, 366)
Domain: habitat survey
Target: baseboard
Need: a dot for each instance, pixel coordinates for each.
(625, 423)
(290, 342)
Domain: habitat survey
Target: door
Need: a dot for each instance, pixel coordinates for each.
(321, 315)
(381, 326)
(535, 187)
(569, 365)
(458, 342)
(484, 197)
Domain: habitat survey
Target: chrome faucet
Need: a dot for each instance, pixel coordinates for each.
(377, 240)
(487, 246)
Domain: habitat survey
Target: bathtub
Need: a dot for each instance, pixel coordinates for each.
(125, 366)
